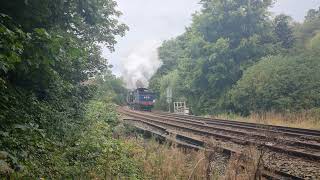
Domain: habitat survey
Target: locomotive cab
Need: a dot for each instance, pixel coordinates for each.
(141, 99)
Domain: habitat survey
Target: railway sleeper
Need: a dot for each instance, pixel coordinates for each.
(290, 151)
(189, 142)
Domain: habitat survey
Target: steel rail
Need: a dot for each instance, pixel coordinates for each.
(196, 128)
(258, 131)
(283, 129)
(193, 143)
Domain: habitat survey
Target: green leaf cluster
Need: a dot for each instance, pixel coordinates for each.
(287, 82)
(53, 123)
(209, 64)
(280, 84)
(224, 39)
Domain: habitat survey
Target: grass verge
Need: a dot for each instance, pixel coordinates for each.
(307, 119)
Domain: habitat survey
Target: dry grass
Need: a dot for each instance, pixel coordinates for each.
(307, 119)
(166, 162)
(163, 162)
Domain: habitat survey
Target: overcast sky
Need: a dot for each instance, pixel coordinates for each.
(153, 21)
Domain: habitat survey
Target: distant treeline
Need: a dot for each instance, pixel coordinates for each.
(235, 57)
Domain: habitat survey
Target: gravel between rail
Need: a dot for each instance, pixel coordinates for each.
(295, 153)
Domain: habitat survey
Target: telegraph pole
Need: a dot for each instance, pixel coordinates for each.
(169, 97)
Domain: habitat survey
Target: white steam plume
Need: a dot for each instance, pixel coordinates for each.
(140, 63)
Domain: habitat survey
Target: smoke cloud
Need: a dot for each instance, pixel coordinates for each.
(140, 64)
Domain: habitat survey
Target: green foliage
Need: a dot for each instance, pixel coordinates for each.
(284, 31)
(219, 56)
(170, 80)
(102, 111)
(52, 123)
(224, 39)
(308, 29)
(11, 44)
(314, 44)
(91, 21)
(94, 153)
(170, 53)
(279, 83)
(283, 83)
(111, 88)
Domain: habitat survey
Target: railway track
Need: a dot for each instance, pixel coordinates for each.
(296, 137)
(297, 144)
(285, 130)
(189, 142)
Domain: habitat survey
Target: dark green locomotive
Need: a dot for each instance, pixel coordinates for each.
(141, 99)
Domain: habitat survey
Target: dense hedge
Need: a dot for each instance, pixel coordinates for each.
(279, 83)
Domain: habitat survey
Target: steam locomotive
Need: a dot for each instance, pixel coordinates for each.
(141, 99)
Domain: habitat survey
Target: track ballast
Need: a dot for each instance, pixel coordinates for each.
(295, 152)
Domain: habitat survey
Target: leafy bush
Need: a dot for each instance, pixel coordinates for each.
(279, 83)
(94, 153)
(49, 125)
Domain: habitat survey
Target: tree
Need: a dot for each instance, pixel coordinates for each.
(283, 31)
(170, 54)
(287, 82)
(308, 29)
(312, 14)
(279, 83)
(224, 38)
(47, 50)
(91, 21)
(314, 44)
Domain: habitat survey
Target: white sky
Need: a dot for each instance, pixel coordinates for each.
(153, 21)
